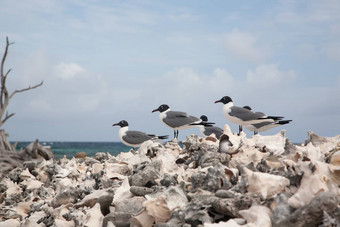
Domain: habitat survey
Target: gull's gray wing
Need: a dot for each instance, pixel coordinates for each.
(243, 114)
(136, 137)
(208, 130)
(262, 124)
(260, 114)
(177, 119)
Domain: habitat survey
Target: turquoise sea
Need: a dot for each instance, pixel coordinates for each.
(69, 149)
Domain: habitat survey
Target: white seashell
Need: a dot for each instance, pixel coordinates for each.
(32, 184)
(12, 188)
(26, 175)
(147, 145)
(234, 141)
(309, 151)
(168, 160)
(95, 216)
(62, 173)
(123, 192)
(264, 184)
(131, 158)
(80, 170)
(33, 219)
(231, 172)
(274, 162)
(158, 208)
(117, 168)
(97, 167)
(64, 160)
(334, 173)
(63, 223)
(335, 159)
(323, 178)
(326, 144)
(258, 215)
(142, 219)
(89, 182)
(10, 223)
(274, 144)
(174, 197)
(23, 208)
(245, 156)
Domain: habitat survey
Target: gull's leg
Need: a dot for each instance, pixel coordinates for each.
(240, 129)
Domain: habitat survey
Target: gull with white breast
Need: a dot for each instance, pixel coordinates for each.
(242, 116)
(177, 120)
(134, 138)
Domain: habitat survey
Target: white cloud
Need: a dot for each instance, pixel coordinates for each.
(68, 70)
(68, 89)
(221, 80)
(243, 45)
(267, 75)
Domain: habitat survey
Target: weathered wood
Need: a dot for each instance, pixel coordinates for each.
(11, 159)
(5, 145)
(4, 94)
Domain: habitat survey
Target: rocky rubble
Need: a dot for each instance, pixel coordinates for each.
(261, 181)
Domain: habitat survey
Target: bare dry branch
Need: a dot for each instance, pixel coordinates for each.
(4, 95)
(8, 73)
(7, 117)
(25, 89)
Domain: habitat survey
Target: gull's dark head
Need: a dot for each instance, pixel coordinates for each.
(247, 107)
(161, 108)
(224, 100)
(122, 123)
(204, 118)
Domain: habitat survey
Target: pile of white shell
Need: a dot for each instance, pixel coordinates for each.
(261, 181)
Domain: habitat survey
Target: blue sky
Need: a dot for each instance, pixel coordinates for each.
(104, 61)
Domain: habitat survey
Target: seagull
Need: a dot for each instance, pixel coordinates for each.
(242, 116)
(177, 120)
(240, 129)
(208, 130)
(134, 138)
(264, 126)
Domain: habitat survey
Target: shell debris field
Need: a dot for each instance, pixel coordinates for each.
(257, 181)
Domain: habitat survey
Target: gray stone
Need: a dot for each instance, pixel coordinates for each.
(225, 193)
(232, 206)
(311, 214)
(118, 219)
(100, 156)
(169, 180)
(141, 191)
(68, 196)
(146, 175)
(212, 181)
(130, 206)
(105, 203)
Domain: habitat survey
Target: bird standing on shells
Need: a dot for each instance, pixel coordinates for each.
(134, 138)
(177, 120)
(208, 130)
(264, 126)
(242, 116)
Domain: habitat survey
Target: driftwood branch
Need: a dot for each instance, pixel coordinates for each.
(4, 95)
(7, 117)
(26, 89)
